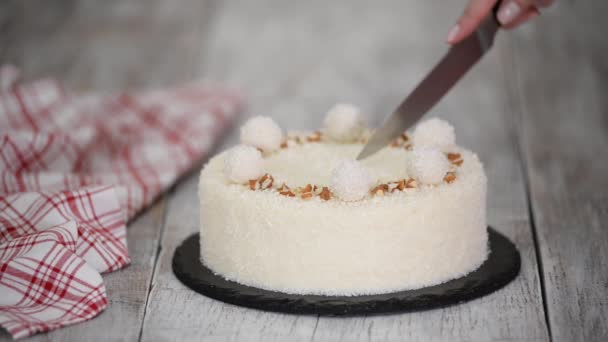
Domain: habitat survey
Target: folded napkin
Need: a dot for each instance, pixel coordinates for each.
(73, 171)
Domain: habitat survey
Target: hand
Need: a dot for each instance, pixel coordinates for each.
(511, 13)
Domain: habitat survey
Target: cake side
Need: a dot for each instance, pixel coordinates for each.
(405, 240)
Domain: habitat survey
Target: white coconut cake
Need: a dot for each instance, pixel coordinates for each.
(298, 214)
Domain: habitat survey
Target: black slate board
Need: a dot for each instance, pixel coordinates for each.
(499, 269)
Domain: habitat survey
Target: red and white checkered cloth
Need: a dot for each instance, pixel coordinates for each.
(73, 170)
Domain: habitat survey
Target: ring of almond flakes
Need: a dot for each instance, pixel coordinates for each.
(266, 182)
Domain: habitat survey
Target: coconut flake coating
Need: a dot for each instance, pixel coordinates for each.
(243, 163)
(428, 165)
(262, 132)
(404, 240)
(343, 123)
(350, 181)
(436, 133)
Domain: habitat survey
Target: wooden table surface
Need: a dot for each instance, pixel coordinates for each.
(536, 110)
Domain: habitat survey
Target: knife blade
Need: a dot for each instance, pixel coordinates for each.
(450, 69)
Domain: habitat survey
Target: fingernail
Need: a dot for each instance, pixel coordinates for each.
(453, 33)
(508, 12)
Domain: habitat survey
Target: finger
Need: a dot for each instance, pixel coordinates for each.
(511, 11)
(475, 12)
(525, 17)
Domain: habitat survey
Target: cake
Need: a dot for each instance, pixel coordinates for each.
(296, 213)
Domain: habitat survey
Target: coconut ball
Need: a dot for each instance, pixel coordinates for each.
(343, 123)
(428, 165)
(434, 132)
(243, 163)
(350, 181)
(263, 133)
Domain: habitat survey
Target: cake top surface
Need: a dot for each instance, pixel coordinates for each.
(313, 163)
(321, 164)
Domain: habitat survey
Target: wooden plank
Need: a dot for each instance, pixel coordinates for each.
(562, 77)
(103, 47)
(294, 61)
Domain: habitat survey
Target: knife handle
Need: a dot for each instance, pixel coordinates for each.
(487, 29)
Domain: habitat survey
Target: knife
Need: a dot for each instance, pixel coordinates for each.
(450, 69)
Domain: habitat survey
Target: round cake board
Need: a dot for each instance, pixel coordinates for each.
(499, 269)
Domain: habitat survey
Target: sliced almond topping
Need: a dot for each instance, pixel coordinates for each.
(411, 183)
(287, 193)
(401, 185)
(449, 177)
(253, 183)
(453, 156)
(284, 144)
(307, 188)
(266, 181)
(314, 137)
(380, 189)
(306, 195)
(402, 140)
(325, 194)
(408, 147)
